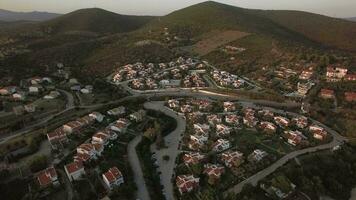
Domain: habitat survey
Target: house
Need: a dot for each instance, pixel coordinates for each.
(350, 77)
(75, 126)
(229, 106)
(300, 122)
(30, 108)
(92, 150)
(257, 155)
(327, 94)
(266, 114)
(268, 127)
(334, 74)
(201, 129)
(222, 130)
(74, 170)
(294, 137)
(232, 159)
(19, 96)
(113, 178)
(52, 95)
(97, 116)
(186, 183)
(193, 158)
(232, 119)
(100, 137)
(186, 108)
(117, 111)
(57, 138)
(281, 121)
(138, 116)
(173, 103)
(120, 125)
(221, 145)
(197, 141)
(34, 89)
(213, 119)
(306, 74)
(214, 172)
(250, 121)
(47, 177)
(350, 96)
(8, 90)
(318, 132)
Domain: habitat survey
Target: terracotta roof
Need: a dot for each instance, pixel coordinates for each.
(74, 166)
(113, 174)
(46, 176)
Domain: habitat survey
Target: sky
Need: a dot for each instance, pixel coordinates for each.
(333, 8)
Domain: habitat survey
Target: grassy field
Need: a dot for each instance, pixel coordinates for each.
(215, 39)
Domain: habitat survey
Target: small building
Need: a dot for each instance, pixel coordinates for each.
(214, 172)
(113, 178)
(117, 111)
(47, 177)
(97, 116)
(221, 145)
(186, 183)
(193, 158)
(138, 116)
(232, 159)
(74, 170)
(350, 96)
(327, 94)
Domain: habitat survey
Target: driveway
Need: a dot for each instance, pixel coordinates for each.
(142, 192)
(172, 142)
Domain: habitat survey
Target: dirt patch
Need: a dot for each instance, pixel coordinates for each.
(215, 39)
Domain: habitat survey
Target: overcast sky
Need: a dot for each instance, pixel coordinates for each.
(334, 8)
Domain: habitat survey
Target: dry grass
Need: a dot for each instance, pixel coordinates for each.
(215, 39)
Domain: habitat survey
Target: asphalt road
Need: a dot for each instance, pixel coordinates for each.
(172, 142)
(142, 192)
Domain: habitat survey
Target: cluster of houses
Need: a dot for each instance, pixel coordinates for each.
(226, 79)
(330, 94)
(336, 73)
(32, 86)
(206, 126)
(181, 73)
(92, 149)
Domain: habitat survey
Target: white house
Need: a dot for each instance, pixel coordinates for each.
(97, 116)
(74, 170)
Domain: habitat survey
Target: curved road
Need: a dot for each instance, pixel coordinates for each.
(142, 192)
(172, 142)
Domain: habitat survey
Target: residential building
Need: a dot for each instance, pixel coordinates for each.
(138, 116)
(257, 155)
(47, 177)
(113, 178)
(268, 127)
(57, 138)
(186, 183)
(222, 130)
(350, 96)
(193, 158)
(229, 106)
(74, 170)
(117, 111)
(281, 121)
(214, 172)
(232, 159)
(221, 145)
(327, 94)
(300, 122)
(97, 116)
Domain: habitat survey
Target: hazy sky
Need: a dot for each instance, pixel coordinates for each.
(334, 8)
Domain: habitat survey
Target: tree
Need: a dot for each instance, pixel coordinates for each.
(38, 163)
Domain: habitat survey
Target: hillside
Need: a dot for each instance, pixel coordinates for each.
(95, 20)
(325, 30)
(291, 25)
(351, 19)
(6, 15)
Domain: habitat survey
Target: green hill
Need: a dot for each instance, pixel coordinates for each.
(95, 20)
(291, 25)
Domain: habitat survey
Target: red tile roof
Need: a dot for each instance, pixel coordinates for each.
(74, 166)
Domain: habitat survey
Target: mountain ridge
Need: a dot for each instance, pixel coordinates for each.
(10, 16)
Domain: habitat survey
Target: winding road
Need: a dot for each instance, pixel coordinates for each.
(166, 167)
